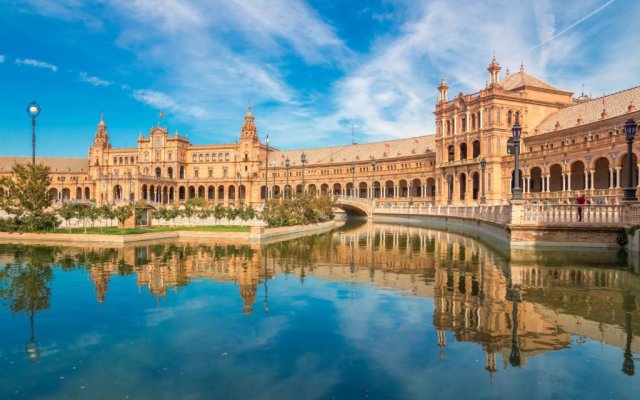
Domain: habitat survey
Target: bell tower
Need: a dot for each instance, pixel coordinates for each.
(99, 148)
(249, 131)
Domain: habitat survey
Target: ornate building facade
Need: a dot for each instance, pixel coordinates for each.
(569, 145)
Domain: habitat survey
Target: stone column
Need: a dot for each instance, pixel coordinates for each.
(586, 180)
(610, 178)
(618, 177)
(638, 184)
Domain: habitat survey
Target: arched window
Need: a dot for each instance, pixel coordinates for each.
(200, 157)
(227, 157)
(207, 157)
(115, 160)
(169, 156)
(158, 172)
(509, 122)
(195, 157)
(450, 152)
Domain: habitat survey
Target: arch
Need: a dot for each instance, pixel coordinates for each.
(462, 179)
(158, 172)
(275, 190)
(165, 195)
(287, 191)
(577, 176)
(324, 189)
(66, 194)
(463, 151)
(192, 192)
(231, 193)
(201, 192)
(211, 191)
(220, 193)
(450, 153)
(555, 178)
(350, 189)
(376, 189)
(312, 189)
(403, 188)
(263, 191)
(171, 194)
(181, 193)
(624, 173)
(475, 149)
(181, 172)
(416, 188)
(601, 175)
(144, 194)
(389, 189)
(431, 187)
(152, 193)
(362, 189)
(117, 192)
(242, 193)
(475, 185)
(337, 189)
(535, 180)
(78, 193)
(170, 172)
(53, 194)
(87, 193)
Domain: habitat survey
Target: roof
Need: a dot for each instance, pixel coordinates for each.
(56, 164)
(360, 152)
(615, 104)
(522, 79)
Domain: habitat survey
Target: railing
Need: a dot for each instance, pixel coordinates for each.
(592, 214)
(495, 213)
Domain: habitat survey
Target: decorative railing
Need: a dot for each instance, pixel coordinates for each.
(494, 213)
(592, 214)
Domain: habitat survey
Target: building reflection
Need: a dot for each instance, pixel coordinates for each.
(516, 309)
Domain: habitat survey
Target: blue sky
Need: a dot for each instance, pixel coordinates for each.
(307, 67)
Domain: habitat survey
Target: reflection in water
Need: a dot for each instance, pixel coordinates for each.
(514, 309)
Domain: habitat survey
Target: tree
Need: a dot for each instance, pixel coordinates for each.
(93, 213)
(172, 213)
(106, 212)
(219, 212)
(67, 212)
(25, 190)
(188, 211)
(123, 213)
(25, 197)
(231, 213)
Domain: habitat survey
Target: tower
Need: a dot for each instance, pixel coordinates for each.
(443, 88)
(249, 131)
(494, 72)
(99, 148)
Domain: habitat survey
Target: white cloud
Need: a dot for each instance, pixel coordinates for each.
(164, 102)
(1, 58)
(35, 63)
(93, 80)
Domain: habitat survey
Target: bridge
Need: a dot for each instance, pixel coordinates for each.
(355, 205)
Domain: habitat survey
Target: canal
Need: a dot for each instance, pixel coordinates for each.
(376, 311)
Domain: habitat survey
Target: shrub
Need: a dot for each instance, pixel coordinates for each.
(303, 210)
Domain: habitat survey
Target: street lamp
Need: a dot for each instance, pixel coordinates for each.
(373, 178)
(303, 159)
(483, 167)
(630, 133)
(287, 164)
(266, 175)
(516, 193)
(33, 110)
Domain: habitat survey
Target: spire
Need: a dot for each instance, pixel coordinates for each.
(101, 123)
(521, 66)
(494, 69)
(249, 129)
(443, 89)
(101, 138)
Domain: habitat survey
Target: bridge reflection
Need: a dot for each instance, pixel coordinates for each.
(515, 305)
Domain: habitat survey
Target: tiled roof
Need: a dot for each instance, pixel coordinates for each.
(615, 104)
(57, 164)
(521, 79)
(359, 152)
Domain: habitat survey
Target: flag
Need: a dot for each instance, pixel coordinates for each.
(161, 114)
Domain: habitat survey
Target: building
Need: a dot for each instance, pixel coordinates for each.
(569, 145)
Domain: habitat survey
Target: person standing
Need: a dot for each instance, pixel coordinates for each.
(581, 201)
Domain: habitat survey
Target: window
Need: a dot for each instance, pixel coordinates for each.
(207, 157)
(226, 157)
(169, 156)
(195, 157)
(210, 172)
(196, 172)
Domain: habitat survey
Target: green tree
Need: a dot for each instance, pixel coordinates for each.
(25, 190)
(219, 212)
(172, 213)
(93, 213)
(67, 212)
(123, 213)
(188, 211)
(106, 212)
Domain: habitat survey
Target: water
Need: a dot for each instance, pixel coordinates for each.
(371, 311)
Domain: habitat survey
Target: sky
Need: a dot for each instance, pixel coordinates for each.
(311, 69)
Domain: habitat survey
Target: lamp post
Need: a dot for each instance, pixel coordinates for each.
(287, 163)
(516, 193)
(266, 176)
(373, 178)
(303, 159)
(353, 179)
(62, 178)
(33, 110)
(630, 133)
(483, 167)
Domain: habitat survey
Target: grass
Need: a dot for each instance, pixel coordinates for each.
(139, 230)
